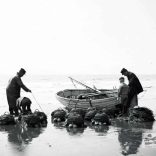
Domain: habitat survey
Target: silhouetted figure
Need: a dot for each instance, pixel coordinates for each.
(135, 87)
(24, 104)
(13, 91)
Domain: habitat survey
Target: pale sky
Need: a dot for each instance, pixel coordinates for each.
(77, 36)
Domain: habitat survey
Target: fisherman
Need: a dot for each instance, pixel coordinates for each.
(13, 91)
(123, 94)
(23, 104)
(135, 88)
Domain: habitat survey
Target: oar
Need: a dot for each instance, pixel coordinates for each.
(95, 90)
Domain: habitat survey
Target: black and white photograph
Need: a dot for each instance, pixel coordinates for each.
(77, 77)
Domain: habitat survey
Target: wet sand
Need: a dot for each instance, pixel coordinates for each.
(118, 139)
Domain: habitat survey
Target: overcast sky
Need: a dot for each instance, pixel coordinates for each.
(78, 36)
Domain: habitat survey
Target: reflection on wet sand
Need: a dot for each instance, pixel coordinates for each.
(20, 136)
(100, 129)
(75, 131)
(59, 125)
(130, 136)
(130, 141)
(71, 131)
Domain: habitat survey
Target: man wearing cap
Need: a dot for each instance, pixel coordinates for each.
(123, 95)
(13, 91)
(135, 87)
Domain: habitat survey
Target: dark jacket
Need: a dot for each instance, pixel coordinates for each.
(135, 86)
(14, 87)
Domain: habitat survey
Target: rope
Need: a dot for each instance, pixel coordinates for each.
(73, 83)
(37, 102)
(95, 90)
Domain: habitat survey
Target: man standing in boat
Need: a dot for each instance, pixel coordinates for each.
(135, 88)
(13, 91)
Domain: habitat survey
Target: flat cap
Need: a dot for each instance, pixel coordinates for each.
(22, 70)
(123, 70)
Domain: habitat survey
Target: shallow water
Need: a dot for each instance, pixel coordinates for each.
(118, 139)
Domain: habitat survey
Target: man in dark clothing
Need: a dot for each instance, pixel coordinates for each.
(13, 91)
(24, 105)
(135, 88)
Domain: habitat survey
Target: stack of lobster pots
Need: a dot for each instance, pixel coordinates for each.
(77, 118)
(36, 119)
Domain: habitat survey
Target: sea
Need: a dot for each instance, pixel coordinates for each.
(116, 140)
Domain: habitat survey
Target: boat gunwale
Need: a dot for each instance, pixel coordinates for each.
(83, 100)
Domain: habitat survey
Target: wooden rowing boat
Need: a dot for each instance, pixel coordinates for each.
(85, 98)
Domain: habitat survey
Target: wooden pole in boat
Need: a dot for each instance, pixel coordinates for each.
(95, 90)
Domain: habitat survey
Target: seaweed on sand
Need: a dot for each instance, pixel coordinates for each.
(141, 114)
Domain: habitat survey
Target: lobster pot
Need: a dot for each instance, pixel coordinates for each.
(32, 121)
(59, 114)
(7, 119)
(75, 119)
(90, 115)
(41, 115)
(141, 114)
(36, 119)
(102, 117)
(79, 111)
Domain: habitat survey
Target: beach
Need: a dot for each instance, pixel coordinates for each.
(118, 139)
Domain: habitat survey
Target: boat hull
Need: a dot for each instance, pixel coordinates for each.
(107, 103)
